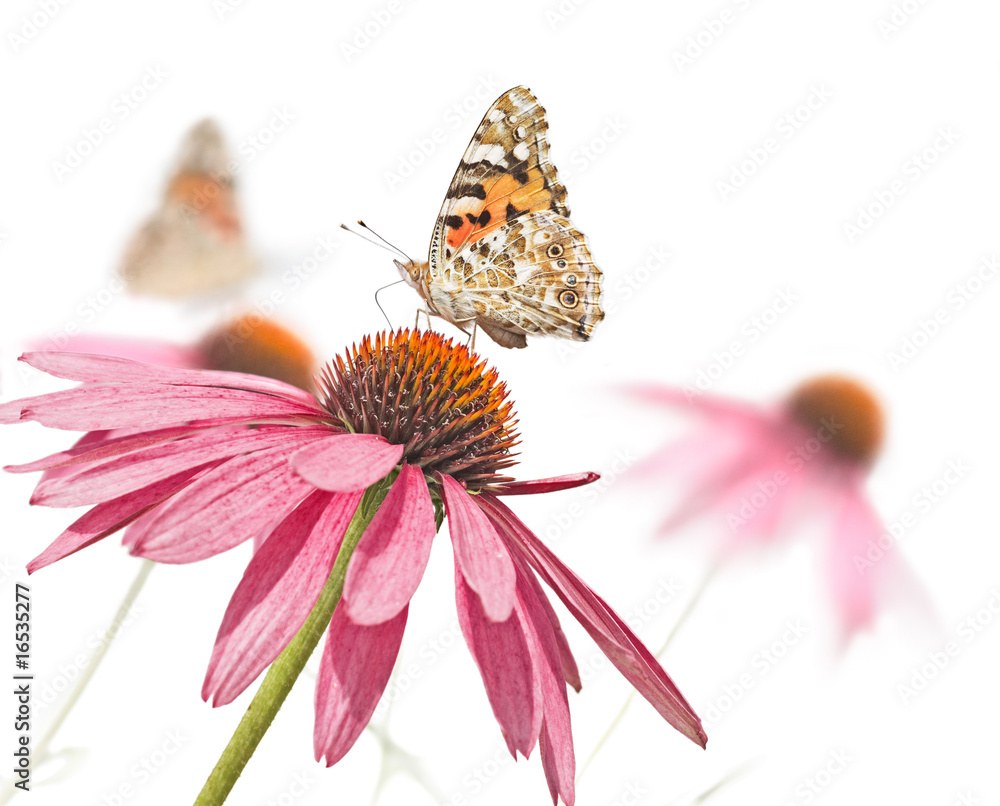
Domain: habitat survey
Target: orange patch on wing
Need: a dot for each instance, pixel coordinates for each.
(527, 198)
(207, 198)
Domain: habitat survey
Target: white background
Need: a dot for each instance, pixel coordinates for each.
(643, 142)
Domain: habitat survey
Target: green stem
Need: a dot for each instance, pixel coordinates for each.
(290, 663)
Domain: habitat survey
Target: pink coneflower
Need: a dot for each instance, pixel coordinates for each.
(403, 428)
(249, 343)
(752, 465)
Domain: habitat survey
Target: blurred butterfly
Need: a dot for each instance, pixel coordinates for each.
(192, 245)
(504, 256)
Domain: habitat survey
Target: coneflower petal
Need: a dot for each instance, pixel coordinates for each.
(347, 462)
(389, 561)
(243, 495)
(278, 591)
(353, 673)
(480, 553)
(612, 635)
(501, 651)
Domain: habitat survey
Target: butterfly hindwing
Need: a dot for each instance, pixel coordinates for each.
(532, 275)
(504, 173)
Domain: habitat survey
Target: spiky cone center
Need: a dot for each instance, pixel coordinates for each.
(437, 399)
(846, 410)
(259, 346)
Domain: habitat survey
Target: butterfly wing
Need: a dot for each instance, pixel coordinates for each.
(504, 173)
(533, 275)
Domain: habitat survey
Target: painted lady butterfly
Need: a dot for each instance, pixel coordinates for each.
(504, 255)
(194, 243)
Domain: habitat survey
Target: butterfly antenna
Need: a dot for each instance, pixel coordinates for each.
(383, 288)
(383, 240)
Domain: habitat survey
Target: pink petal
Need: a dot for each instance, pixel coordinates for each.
(612, 635)
(356, 665)
(232, 503)
(116, 476)
(571, 674)
(106, 519)
(704, 404)
(347, 462)
(161, 353)
(278, 591)
(554, 484)
(501, 651)
(479, 551)
(854, 584)
(96, 445)
(115, 370)
(99, 408)
(556, 736)
(391, 556)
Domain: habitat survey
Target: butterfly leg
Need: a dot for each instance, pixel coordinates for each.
(426, 312)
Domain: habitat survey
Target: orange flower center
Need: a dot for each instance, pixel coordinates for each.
(258, 346)
(437, 399)
(844, 409)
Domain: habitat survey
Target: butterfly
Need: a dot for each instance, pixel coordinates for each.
(194, 243)
(504, 256)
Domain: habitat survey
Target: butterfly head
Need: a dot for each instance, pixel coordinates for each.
(415, 275)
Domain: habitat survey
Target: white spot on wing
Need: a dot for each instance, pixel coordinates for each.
(521, 151)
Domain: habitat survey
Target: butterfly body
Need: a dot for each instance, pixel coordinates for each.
(504, 255)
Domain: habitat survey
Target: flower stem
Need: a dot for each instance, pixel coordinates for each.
(290, 663)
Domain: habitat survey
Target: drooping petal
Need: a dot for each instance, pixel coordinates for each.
(571, 673)
(853, 583)
(111, 478)
(611, 634)
(501, 651)
(480, 553)
(232, 503)
(278, 591)
(347, 462)
(554, 484)
(90, 368)
(110, 406)
(106, 519)
(356, 665)
(389, 561)
(556, 736)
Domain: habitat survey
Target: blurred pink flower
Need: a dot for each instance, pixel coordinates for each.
(412, 409)
(754, 465)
